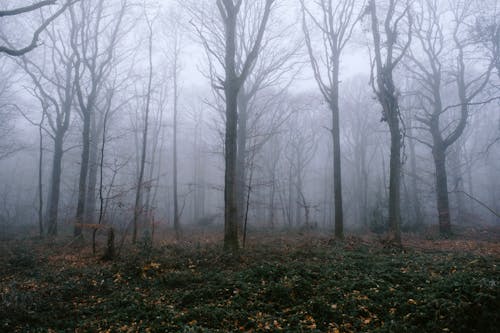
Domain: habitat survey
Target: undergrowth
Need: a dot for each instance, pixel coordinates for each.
(310, 289)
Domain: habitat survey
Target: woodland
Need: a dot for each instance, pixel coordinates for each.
(248, 166)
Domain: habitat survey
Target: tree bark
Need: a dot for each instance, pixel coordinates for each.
(337, 162)
(443, 206)
(138, 207)
(84, 166)
(40, 176)
(53, 202)
(177, 224)
(230, 191)
(395, 179)
(90, 205)
(242, 153)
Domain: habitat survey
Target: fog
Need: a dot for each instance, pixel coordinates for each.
(143, 115)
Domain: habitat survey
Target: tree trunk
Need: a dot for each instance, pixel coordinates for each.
(177, 225)
(395, 178)
(337, 174)
(40, 176)
(230, 191)
(138, 207)
(80, 209)
(90, 205)
(53, 202)
(414, 186)
(241, 154)
(457, 182)
(443, 206)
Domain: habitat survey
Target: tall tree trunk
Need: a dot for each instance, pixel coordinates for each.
(138, 207)
(40, 177)
(241, 153)
(395, 178)
(457, 181)
(199, 199)
(230, 190)
(90, 205)
(53, 202)
(177, 224)
(443, 206)
(337, 174)
(84, 166)
(417, 210)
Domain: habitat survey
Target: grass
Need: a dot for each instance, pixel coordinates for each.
(314, 287)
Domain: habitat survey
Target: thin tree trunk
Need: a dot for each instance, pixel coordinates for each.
(90, 205)
(177, 224)
(40, 177)
(414, 186)
(138, 199)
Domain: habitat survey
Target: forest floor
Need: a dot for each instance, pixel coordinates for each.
(284, 282)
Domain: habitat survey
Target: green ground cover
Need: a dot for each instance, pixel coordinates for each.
(316, 288)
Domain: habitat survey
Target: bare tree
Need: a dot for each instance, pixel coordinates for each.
(387, 54)
(93, 63)
(175, 175)
(486, 28)
(236, 71)
(428, 64)
(8, 144)
(54, 88)
(138, 208)
(13, 51)
(335, 22)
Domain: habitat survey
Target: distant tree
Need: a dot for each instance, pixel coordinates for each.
(236, 69)
(8, 143)
(138, 206)
(301, 146)
(428, 64)
(13, 51)
(361, 142)
(176, 68)
(335, 22)
(94, 44)
(486, 28)
(53, 79)
(387, 54)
